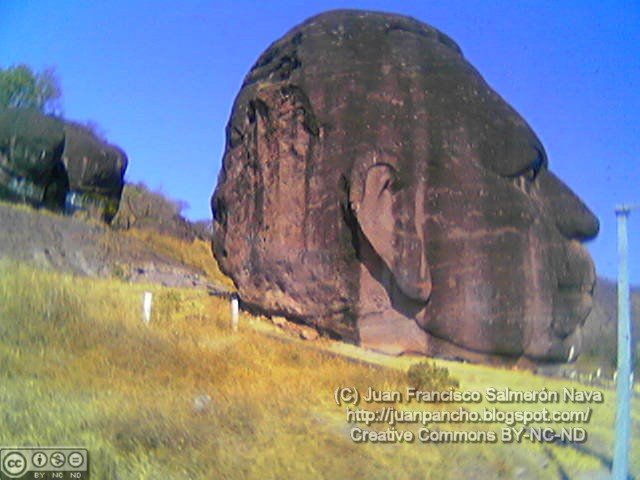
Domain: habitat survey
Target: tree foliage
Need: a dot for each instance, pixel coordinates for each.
(21, 87)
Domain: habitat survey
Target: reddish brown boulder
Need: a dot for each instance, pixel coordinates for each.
(375, 187)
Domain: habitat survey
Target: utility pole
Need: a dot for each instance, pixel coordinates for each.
(623, 380)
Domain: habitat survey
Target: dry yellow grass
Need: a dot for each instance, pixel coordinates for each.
(196, 254)
(184, 397)
(79, 367)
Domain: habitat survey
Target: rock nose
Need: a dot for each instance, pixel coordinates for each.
(573, 218)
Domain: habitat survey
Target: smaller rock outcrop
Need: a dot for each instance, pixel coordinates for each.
(59, 165)
(96, 172)
(147, 210)
(31, 170)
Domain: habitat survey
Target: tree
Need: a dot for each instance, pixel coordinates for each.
(21, 87)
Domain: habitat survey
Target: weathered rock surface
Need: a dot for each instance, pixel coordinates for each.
(96, 172)
(375, 187)
(47, 162)
(30, 168)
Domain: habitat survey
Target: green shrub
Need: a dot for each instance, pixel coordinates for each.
(428, 376)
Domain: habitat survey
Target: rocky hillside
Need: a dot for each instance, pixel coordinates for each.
(600, 330)
(180, 256)
(90, 248)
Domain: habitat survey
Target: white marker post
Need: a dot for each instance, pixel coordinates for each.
(234, 312)
(146, 307)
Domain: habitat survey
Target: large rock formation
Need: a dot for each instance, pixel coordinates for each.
(62, 166)
(374, 186)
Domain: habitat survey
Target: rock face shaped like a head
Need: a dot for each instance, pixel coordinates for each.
(374, 186)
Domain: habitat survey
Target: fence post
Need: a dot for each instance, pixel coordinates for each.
(234, 312)
(146, 307)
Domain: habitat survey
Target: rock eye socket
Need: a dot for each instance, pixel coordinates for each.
(533, 169)
(528, 175)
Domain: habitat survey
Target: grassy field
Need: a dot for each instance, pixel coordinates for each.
(185, 397)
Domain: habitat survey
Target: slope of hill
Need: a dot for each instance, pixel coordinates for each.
(85, 247)
(187, 397)
(600, 334)
(152, 242)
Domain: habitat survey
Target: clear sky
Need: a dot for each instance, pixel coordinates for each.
(160, 78)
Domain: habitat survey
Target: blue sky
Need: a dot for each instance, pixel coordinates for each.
(160, 78)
